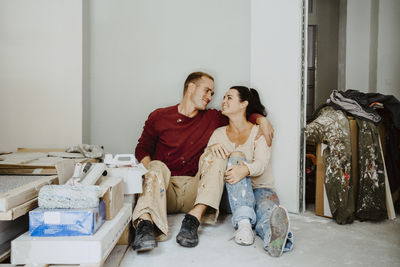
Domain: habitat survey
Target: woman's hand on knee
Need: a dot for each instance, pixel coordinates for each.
(218, 150)
(236, 173)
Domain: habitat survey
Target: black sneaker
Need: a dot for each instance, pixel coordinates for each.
(144, 236)
(187, 236)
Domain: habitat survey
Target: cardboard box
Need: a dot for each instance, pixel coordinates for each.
(66, 222)
(85, 250)
(112, 194)
(132, 177)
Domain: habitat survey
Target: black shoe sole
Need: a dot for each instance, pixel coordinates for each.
(145, 246)
(185, 242)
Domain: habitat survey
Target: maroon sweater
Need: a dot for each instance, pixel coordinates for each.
(178, 140)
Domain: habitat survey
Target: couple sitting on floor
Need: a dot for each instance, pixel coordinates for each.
(193, 153)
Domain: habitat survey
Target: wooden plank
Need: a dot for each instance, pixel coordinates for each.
(19, 211)
(43, 150)
(29, 171)
(319, 183)
(21, 166)
(20, 158)
(126, 237)
(67, 155)
(116, 256)
(354, 158)
(389, 201)
(35, 164)
(5, 255)
(22, 194)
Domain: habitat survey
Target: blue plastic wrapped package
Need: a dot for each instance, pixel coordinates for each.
(66, 222)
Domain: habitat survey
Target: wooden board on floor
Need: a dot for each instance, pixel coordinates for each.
(116, 256)
(126, 237)
(5, 255)
(43, 150)
(28, 171)
(20, 158)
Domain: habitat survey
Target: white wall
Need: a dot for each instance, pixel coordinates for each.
(358, 44)
(142, 51)
(40, 73)
(276, 71)
(327, 21)
(388, 66)
(372, 47)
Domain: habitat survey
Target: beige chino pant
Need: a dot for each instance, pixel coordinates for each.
(163, 193)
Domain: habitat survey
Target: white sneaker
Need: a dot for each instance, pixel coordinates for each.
(244, 235)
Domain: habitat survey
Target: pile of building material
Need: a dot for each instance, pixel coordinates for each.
(18, 195)
(72, 225)
(63, 226)
(87, 250)
(37, 161)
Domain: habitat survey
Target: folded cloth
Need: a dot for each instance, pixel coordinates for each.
(338, 101)
(89, 151)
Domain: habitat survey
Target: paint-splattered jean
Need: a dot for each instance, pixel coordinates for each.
(253, 204)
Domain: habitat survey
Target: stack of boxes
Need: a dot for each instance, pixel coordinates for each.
(75, 236)
(86, 235)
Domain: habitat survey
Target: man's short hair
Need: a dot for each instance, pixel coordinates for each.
(194, 77)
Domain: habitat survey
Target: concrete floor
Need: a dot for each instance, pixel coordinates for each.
(318, 242)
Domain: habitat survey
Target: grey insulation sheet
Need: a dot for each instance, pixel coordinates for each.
(10, 182)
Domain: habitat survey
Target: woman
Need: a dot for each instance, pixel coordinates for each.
(249, 182)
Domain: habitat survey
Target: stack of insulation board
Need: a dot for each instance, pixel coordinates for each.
(18, 195)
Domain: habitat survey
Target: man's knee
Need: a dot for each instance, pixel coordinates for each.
(157, 171)
(156, 165)
(159, 167)
(208, 157)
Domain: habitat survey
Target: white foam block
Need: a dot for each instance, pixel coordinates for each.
(91, 250)
(132, 177)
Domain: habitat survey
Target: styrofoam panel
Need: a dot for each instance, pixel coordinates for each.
(10, 182)
(132, 177)
(71, 250)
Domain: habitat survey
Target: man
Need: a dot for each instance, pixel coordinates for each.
(181, 176)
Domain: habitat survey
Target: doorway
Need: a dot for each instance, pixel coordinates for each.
(322, 76)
